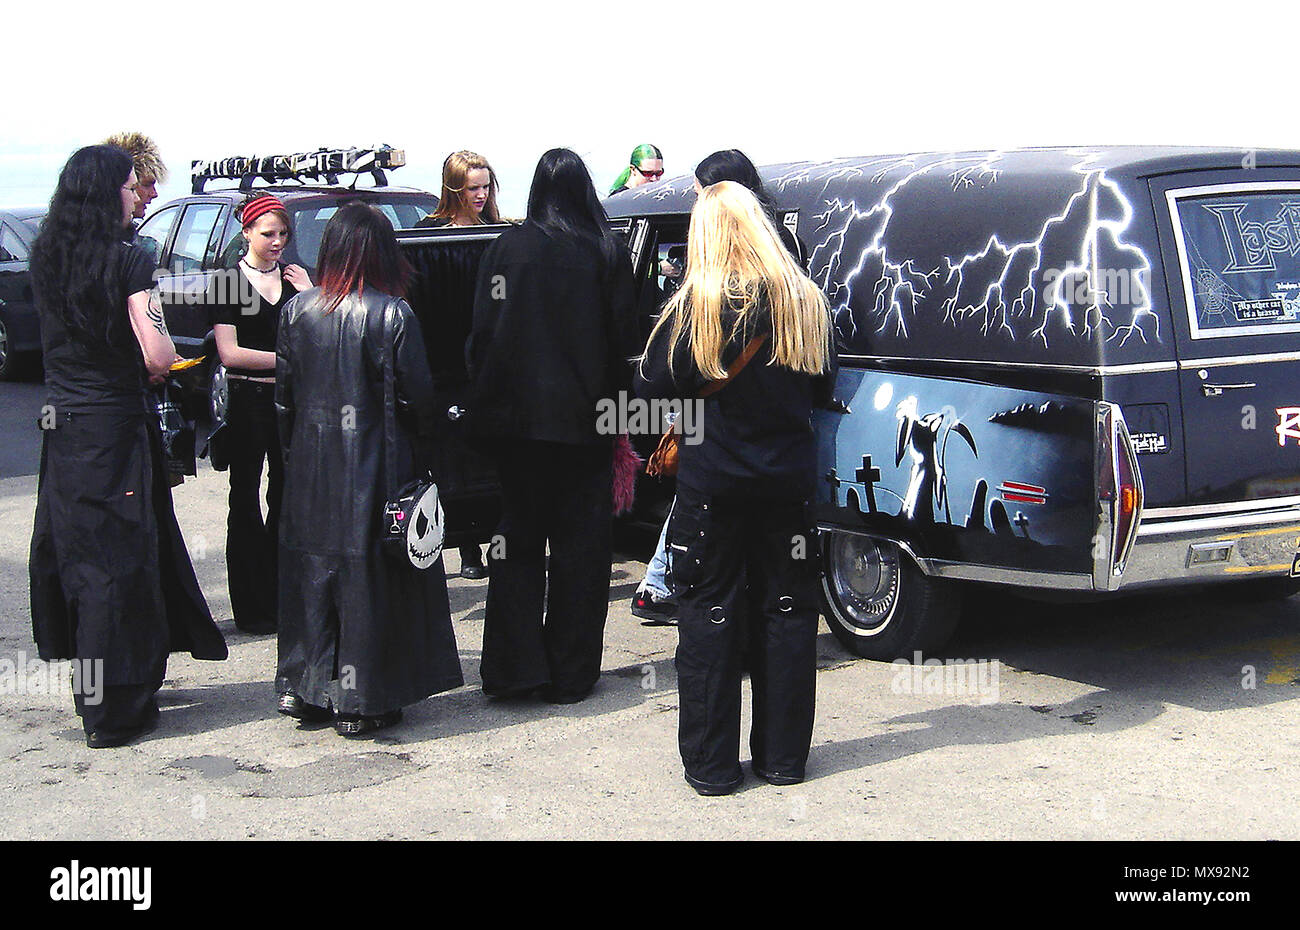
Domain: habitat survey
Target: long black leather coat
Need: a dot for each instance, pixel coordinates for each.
(358, 631)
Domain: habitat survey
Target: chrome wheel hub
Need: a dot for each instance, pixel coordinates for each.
(863, 577)
(220, 394)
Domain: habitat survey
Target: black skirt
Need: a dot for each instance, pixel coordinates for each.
(111, 578)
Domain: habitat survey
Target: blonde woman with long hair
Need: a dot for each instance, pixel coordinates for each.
(744, 564)
(469, 192)
(468, 198)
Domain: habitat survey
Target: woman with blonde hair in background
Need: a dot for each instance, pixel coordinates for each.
(468, 198)
(469, 193)
(747, 320)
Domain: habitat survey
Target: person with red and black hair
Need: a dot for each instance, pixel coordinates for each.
(361, 636)
(246, 305)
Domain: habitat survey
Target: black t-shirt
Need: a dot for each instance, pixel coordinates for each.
(94, 372)
(236, 302)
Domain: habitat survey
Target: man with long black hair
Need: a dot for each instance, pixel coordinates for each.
(554, 325)
(111, 580)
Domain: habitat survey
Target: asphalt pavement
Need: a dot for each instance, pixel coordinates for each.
(1154, 718)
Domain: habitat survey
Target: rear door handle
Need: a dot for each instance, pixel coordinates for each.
(1214, 390)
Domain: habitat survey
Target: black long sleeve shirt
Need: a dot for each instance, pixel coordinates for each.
(554, 327)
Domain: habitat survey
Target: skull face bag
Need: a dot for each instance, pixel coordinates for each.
(413, 525)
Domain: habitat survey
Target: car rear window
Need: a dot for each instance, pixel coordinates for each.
(1239, 247)
(309, 222)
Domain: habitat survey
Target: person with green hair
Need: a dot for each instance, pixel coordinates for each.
(644, 167)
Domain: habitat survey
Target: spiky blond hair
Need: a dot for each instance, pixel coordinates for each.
(143, 152)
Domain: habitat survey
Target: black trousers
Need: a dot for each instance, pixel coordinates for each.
(120, 708)
(561, 495)
(745, 572)
(252, 544)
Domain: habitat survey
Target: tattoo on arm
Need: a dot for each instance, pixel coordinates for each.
(155, 314)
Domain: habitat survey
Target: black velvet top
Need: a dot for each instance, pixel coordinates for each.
(234, 301)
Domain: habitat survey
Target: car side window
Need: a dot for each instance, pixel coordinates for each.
(11, 247)
(193, 235)
(217, 241)
(231, 246)
(405, 215)
(152, 235)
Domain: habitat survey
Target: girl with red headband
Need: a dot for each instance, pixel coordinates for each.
(245, 319)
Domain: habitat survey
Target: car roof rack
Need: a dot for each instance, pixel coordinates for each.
(322, 164)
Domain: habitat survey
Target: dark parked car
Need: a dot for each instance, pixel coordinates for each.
(20, 332)
(195, 236)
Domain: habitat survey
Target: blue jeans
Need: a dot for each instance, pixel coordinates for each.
(656, 573)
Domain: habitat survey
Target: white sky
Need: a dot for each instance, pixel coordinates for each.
(801, 79)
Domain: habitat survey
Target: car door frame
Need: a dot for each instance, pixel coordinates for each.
(188, 317)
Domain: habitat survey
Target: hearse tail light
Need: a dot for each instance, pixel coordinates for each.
(1127, 501)
(1119, 497)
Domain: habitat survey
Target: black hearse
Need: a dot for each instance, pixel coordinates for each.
(1074, 372)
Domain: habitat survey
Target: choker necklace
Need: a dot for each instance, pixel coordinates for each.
(248, 264)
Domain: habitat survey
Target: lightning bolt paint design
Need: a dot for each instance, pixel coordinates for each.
(664, 189)
(900, 284)
(1003, 286)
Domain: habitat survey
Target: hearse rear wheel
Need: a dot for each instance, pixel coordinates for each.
(879, 604)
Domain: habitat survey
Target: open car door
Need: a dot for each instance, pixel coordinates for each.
(446, 262)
